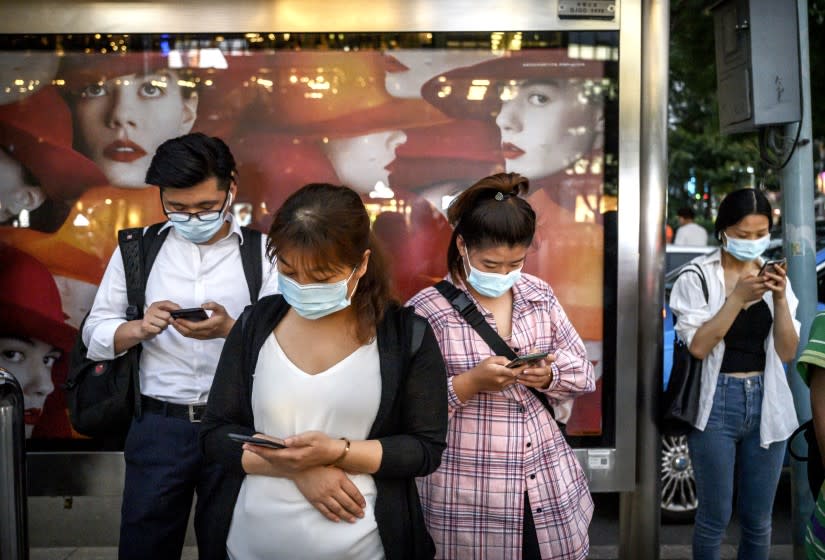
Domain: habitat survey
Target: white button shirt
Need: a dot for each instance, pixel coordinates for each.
(688, 303)
(175, 368)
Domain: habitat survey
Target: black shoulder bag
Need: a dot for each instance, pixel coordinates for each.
(680, 405)
(467, 309)
(103, 397)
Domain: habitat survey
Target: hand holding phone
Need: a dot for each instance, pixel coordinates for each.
(527, 359)
(241, 438)
(771, 265)
(194, 314)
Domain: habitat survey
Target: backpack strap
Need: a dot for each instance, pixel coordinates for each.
(153, 239)
(138, 249)
(252, 261)
(468, 310)
(131, 250)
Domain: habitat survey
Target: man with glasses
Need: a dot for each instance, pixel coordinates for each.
(199, 264)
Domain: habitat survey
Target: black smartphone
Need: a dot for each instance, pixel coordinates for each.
(527, 358)
(772, 263)
(277, 444)
(190, 314)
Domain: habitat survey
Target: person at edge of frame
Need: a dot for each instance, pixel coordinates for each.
(354, 383)
(744, 330)
(811, 368)
(508, 483)
(198, 265)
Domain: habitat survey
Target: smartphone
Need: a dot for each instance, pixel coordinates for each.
(278, 444)
(190, 314)
(772, 263)
(527, 358)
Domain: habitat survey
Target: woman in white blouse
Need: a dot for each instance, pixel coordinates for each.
(743, 333)
(353, 383)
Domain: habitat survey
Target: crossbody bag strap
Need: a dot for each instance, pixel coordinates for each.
(468, 310)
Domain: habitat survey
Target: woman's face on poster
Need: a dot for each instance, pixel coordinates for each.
(547, 126)
(16, 192)
(122, 121)
(31, 362)
(361, 162)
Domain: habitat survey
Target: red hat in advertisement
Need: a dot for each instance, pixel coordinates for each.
(476, 91)
(78, 70)
(332, 94)
(458, 150)
(37, 132)
(29, 301)
(273, 166)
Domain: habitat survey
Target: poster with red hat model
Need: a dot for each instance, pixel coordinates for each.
(408, 128)
(34, 340)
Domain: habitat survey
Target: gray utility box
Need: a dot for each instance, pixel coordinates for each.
(757, 63)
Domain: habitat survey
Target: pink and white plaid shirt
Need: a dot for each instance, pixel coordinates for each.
(500, 445)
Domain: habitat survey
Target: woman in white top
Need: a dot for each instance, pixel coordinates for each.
(743, 333)
(354, 384)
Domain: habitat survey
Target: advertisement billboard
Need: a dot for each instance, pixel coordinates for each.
(408, 123)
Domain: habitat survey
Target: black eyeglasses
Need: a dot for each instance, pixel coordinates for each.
(203, 215)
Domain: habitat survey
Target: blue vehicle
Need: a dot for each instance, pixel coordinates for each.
(678, 486)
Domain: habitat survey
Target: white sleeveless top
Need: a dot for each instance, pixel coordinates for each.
(272, 519)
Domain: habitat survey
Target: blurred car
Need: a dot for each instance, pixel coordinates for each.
(679, 499)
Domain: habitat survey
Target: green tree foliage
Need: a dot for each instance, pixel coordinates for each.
(718, 163)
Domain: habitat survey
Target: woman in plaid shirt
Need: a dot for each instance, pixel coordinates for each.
(509, 486)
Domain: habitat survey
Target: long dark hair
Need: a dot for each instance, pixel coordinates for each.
(490, 213)
(330, 227)
(738, 204)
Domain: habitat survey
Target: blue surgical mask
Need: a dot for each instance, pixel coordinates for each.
(199, 231)
(313, 301)
(746, 249)
(491, 284)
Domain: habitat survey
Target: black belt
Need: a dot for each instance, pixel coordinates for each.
(191, 412)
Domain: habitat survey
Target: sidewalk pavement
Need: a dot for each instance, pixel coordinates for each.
(667, 552)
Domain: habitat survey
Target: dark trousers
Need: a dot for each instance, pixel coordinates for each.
(529, 540)
(164, 469)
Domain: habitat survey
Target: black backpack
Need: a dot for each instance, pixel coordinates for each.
(103, 397)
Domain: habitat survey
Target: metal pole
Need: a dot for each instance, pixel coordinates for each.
(14, 534)
(639, 519)
(797, 180)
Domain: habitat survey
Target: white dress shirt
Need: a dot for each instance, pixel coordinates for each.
(175, 368)
(688, 303)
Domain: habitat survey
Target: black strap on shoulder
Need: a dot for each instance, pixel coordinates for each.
(696, 269)
(153, 238)
(138, 250)
(252, 261)
(468, 310)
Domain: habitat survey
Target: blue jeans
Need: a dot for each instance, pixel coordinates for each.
(727, 450)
